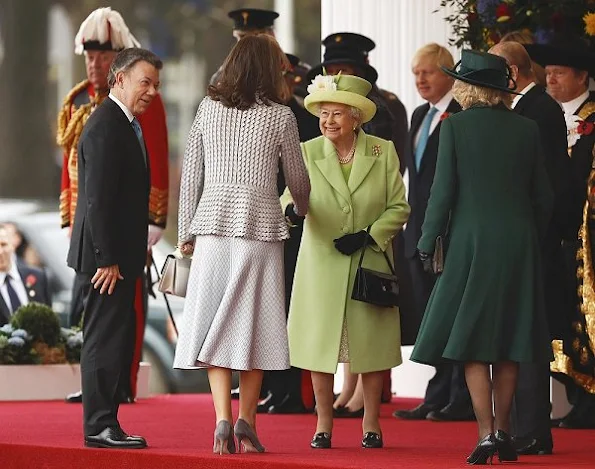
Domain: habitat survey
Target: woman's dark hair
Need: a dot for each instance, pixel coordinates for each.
(253, 70)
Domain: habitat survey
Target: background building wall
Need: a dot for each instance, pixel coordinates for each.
(399, 28)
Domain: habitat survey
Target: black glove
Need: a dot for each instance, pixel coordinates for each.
(426, 261)
(350, 243)
(292, 217)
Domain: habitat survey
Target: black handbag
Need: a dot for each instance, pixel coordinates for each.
(374, 287)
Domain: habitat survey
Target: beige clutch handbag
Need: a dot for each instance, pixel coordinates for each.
(174, 275)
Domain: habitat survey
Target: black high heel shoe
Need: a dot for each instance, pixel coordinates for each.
(505, 448)
(224, 438)
(342, 412)
(244, 431)
(372, 440)
(321, 440)
(484, 451)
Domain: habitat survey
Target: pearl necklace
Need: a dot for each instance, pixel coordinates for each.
(347, 158)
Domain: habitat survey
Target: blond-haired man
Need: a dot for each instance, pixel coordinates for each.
(447, 397)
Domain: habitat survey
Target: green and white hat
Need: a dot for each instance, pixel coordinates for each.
(344, 89)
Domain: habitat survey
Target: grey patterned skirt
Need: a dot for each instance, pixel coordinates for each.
(234, 314)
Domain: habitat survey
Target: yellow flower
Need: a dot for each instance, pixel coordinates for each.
(589, 20)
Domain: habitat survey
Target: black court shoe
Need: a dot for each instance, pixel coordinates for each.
(372, 440)
(321, 440)
(505, 448)
(484, 451)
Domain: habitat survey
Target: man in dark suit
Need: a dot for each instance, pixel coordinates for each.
(531, 410)
(447, 397)
(19, 284)
(109, 239)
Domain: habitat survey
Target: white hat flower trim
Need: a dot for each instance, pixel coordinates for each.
(322, 83)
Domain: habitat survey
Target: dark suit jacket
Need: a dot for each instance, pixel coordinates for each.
(111, 219)
(540, 107)
(36, 286)
(420, 182)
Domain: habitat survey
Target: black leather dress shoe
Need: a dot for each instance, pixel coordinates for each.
(288, 406)
(126, 399)
(74, 398)
(417, 413)
(345, 413)
(264, 405)
(372, 440)
(577, 422)
(114, 437)
(533, 446)
(321, 440)
(451, 413)
(77, 398)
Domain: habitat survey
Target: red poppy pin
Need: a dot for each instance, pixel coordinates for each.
(585, 128)
(444, 115)
(30, 280)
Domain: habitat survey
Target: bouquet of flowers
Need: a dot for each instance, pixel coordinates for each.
(16, 347)
(480, 24)
(34, 336)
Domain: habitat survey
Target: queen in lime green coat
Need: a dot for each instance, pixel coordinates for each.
(356, 183)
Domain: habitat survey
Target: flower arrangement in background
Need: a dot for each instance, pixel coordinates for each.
(480, 24)
(34, 336)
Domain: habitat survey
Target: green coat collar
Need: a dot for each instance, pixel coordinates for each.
(329, 166)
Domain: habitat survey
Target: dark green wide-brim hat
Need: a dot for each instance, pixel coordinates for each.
(483, 69)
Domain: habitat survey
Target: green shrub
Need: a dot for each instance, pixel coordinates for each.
(39, 321)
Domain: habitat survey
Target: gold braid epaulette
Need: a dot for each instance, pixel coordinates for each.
(587, 110)
(66, 122)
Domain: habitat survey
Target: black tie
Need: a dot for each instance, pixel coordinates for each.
(12, 295)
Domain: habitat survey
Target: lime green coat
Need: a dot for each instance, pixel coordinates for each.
(324, 278)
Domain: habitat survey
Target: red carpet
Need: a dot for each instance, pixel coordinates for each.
(179, 429)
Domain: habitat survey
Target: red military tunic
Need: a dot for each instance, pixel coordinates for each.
(76, 109)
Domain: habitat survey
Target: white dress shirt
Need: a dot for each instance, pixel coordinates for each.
(525, 90)
(129, 114)
(572, 106)
(441, 106)
(17, 284)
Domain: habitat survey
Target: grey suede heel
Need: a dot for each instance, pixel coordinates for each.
(244, 431)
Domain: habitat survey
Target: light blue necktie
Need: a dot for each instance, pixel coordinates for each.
(424, 134)
(139, 135)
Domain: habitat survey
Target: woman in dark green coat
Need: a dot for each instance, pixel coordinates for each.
(492, 195)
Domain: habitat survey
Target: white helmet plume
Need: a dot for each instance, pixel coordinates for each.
(103, 25)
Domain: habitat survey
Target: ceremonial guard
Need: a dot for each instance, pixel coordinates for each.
(569, 64)
(249, 21)
(99, 38)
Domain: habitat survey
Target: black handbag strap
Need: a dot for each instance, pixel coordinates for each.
(361, 257)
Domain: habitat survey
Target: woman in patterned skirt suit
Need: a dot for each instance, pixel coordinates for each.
(231, 218)
(356, 184)
(487, 306)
